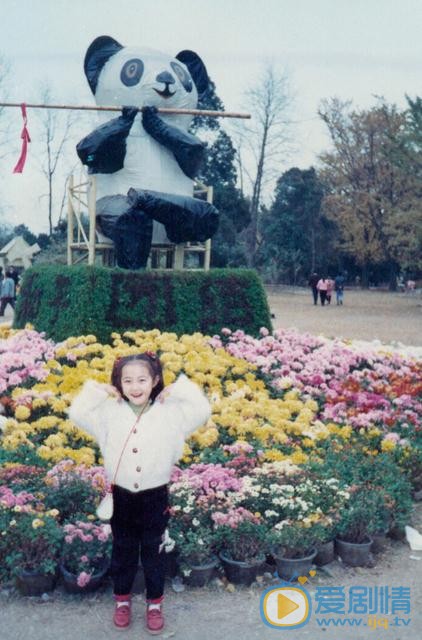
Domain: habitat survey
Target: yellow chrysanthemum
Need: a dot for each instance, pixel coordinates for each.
(22, 412)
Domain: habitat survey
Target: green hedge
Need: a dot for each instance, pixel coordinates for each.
(80, 300)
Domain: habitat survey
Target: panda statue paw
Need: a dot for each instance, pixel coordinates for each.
(148, 111)
(130, 113)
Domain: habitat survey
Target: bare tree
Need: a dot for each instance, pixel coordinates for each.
(266, 140)
(56, 130)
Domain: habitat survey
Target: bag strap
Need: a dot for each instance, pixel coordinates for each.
(124, 446)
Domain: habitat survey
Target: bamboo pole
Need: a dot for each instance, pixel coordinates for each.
(163, 110)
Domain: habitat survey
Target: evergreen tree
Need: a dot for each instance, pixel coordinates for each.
(28, 236)
(296, 238)
(219, 171)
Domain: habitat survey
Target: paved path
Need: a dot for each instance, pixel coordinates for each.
(365, 315)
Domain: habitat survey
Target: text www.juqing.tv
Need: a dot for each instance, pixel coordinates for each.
(371, 622)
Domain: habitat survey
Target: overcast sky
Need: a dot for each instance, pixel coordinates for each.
(353, 49)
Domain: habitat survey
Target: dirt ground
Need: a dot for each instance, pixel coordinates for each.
(365, 315)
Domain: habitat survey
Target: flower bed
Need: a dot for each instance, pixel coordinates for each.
(287, 410)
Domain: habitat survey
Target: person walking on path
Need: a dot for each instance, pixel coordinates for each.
(7, 293)
(322, 287)
(330, 289)
(313, 282)
(141, 427)
(339, 289)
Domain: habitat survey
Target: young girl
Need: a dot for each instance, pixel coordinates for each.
(154, 422)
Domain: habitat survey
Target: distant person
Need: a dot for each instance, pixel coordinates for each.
(330, 289)
(411, 286)
(14, 275)
(339, 289)
(357, 281)
(313, 282)
(401, 284)
(7, 293)
(322, 287)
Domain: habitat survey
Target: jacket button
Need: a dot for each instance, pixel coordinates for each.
(135, 450)
(135, 431)
(136, 485)
(138, 469)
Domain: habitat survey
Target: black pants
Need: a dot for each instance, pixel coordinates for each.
(4, 302)
(139, 518)
(315, 294)
(323, 296)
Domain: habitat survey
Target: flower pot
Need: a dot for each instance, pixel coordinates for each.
(240, 572)
(325, 553)
(200, 574)
(356, 554)
(70, 580)
(397, 533)
(33, 583)
(291, 568)
(379, 542)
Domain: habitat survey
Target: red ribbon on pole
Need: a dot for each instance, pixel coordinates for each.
(25, 139)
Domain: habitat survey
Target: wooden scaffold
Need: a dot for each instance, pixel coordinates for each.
(83, 245)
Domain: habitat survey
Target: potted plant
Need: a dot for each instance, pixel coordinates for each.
(196, 554)
(325, 533)
(195, 494)
(241, 540)
(293, 545)
(72, 494)
(365, 513)
(36, 540)
(86, 555)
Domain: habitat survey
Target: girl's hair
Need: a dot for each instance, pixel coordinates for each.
(154, 366)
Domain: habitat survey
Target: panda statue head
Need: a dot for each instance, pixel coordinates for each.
(139, 76)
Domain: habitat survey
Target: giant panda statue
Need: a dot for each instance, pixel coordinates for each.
(144, 162)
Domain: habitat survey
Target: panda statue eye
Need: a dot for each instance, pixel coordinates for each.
(182, 76)
(131, 72)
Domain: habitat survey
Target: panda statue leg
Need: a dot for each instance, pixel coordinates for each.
(185, 219)
(131, 232)
(132, 238)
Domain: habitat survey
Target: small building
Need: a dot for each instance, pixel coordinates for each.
(18, 253)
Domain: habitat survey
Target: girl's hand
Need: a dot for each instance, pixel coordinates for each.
(112, 391)
(164, 393)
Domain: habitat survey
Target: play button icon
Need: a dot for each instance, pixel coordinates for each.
(285, 606)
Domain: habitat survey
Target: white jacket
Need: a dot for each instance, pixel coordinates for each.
(158, 441)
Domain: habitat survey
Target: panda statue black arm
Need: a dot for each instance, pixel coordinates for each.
(186, 148)
(104, 150)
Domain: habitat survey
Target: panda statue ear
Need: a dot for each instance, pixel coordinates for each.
(196, 69)
(99, 51)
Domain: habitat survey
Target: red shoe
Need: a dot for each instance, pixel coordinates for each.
(154, 619)
(122, 612)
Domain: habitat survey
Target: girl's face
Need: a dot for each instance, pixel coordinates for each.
(137, 382)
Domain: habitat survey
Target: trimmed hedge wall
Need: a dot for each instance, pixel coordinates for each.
(70, 301)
